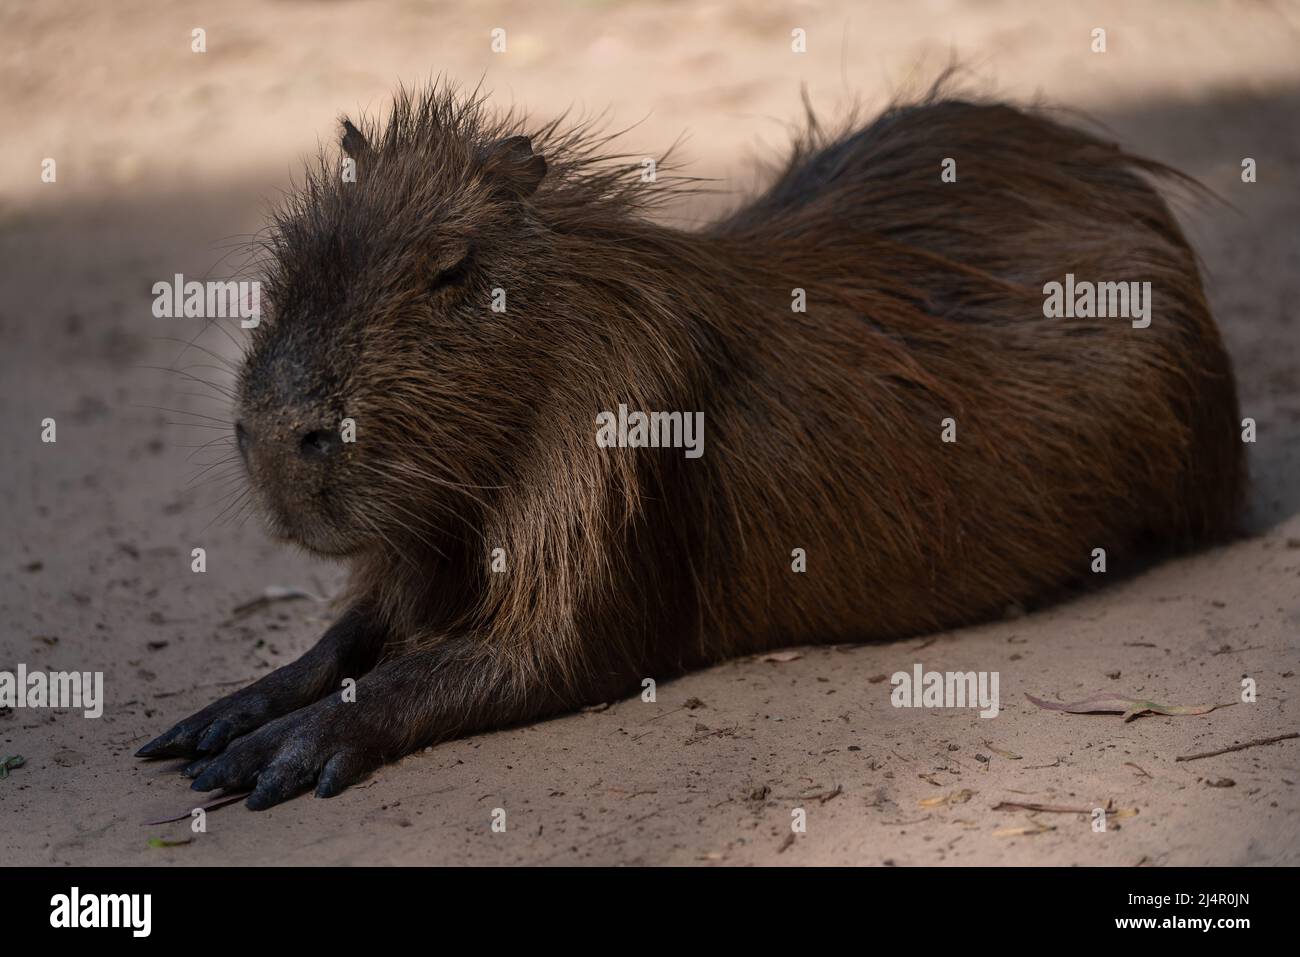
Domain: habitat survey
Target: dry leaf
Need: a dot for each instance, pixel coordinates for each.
(1010, 756)
(270, 595)
(956, 797)
(782, 656)
(1106, 703)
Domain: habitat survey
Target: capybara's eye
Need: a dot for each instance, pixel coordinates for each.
(455, 276)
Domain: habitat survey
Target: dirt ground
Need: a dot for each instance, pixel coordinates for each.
(165, 157)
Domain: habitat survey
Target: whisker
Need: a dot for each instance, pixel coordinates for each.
(157, 408)
(229, 365)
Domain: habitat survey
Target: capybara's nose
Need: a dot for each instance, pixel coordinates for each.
(319, 444)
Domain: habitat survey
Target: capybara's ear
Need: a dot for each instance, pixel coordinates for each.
(512, 166)
(353, 142)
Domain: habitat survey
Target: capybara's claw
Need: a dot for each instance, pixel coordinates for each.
(288, 757)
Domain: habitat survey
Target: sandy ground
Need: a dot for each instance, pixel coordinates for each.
(164, 155)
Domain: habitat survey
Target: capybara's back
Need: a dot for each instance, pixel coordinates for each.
(1012, 364)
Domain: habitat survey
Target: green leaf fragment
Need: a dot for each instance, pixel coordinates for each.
(10, 763)
(161, 842)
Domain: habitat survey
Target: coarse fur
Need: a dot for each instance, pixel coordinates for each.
(475, 429)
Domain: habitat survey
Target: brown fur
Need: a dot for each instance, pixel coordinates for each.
(476, 430)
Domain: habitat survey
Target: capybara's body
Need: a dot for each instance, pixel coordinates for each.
(926, 303)
(896, 437)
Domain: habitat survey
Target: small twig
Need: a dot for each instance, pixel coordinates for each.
(628, 795)
(1058, 809)
(221, 800)
(1239, 747)
(829, 795)
(822, 796)
(666, 714)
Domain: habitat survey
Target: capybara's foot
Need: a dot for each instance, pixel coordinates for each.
(210, 730)
(317, 746)
(348, 649)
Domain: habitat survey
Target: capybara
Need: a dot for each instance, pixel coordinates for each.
(564, 447)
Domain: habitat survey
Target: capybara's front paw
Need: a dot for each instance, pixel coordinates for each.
(208, 731)
(313, 746)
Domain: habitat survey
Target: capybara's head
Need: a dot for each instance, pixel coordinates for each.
(381, 389)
